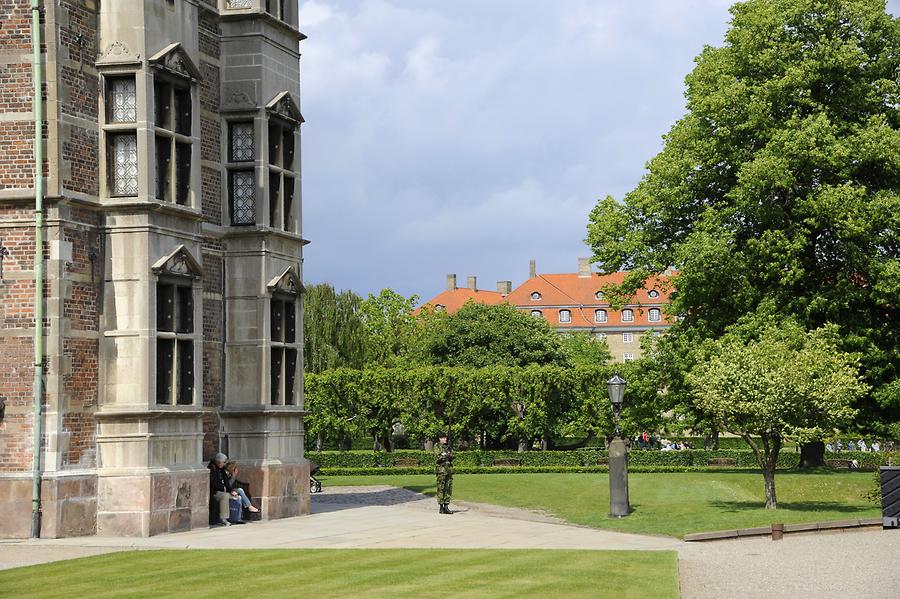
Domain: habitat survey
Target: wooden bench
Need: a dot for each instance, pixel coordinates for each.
(508, 462)
(603, 461)
(838, 464)
(406, 462)
(721, 462)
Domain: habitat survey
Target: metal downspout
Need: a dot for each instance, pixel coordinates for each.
(38, 268)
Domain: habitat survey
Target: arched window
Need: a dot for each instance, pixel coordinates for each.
(599, 315)
(655, 315)
(627, 315)
(537, 314)
(535, 296)
(565, 316)
(599, 295)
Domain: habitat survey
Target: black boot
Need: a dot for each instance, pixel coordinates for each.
(440, 508)
(445, 509)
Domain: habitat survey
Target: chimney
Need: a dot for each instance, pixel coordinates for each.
(472, 283)
(451, 282)
(504, 287)
(584, 267)
(532, 269)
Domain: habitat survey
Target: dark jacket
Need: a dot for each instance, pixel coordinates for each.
(218, 480)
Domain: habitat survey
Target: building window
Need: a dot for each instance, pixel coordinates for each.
(600, 336)
(241, 175)
(174, 343)
(173, 119)
(240, 3)
(537, 314)
(627, 315)
(628, 357)
(653, 293)
(282, 178)
(284, 349)
(599, 315)
(655, 315)
(565, 316)
(121, 136)
(277, 8)
(627, 337)
(599, 295)
(535, 296)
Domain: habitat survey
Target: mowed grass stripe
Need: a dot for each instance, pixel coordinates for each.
(352, 573)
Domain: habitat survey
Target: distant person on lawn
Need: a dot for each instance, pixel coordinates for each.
(220, 487)
(231, 468)
(443, 469)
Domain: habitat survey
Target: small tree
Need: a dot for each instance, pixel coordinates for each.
(786, 384)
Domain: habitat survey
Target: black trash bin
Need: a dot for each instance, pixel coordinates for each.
(890, 496)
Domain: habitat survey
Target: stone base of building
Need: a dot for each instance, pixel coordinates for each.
(154, 503)
(282, 489)
(68, 506)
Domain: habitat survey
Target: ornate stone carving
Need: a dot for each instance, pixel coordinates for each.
(287, 282)
(239, 96)
(174, 59)
(283, 105)
(179, 263)
(118, 51)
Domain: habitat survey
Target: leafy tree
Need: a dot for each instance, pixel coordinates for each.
(390, 327)
(787, 384)
(333, 335)
(583, 349)
(781, 184)
(479, 335)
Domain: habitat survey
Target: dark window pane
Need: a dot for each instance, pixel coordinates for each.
(243, 198)
(185, 310)
(122, 165)
(274, 189)
(185, 372)
(241, 142)
(183, 110)
(165, 353)
(290, 322)
(163, 158)
(277, 355)
(165, 307)
(274, 144)
(288, 149)
(290, 365)
(277, 320)
(288, 204)
(182, 172)
(121, 100)
(162, 100)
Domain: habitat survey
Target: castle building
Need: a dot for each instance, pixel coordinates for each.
(172, 259)
(572, 302)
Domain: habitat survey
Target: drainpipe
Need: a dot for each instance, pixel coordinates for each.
(38, 268)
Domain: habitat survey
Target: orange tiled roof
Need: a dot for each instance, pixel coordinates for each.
(452, 301)
(569, 291)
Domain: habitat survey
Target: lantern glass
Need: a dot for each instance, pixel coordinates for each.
(616, 389)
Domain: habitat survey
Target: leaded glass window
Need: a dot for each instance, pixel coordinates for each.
(124, 164)
(173, 119)
(241, 145)
(243, 198)
(282, 178)
(240, 3)
(122, 100)
(284, 350)
(174, 344)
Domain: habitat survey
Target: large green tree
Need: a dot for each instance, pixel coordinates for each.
(786, 384)
(333, 335)
(780, 186)
(390, 328)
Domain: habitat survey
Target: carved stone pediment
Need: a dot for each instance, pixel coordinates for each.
(287, 282)
(283, 105)
(239, 96)
(179, 263)
(175, 60)
(117, 52)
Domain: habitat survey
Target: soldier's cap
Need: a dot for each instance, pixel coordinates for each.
(442, 435)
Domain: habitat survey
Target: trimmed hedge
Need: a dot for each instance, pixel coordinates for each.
(382, 462)
(519, 470)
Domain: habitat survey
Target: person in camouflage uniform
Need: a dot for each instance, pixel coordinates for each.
(443, 469)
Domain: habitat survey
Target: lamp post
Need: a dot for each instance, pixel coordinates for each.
(619, 507)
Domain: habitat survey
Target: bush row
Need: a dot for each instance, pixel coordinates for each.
(578, 458)
(334, 471)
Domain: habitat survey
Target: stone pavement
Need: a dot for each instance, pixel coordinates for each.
(861, 565)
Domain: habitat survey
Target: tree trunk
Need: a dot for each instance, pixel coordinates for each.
(715, 440)
(429, 445)
(342, 441)
(523, 445)
(812, 455)
(769, 478)
(319, 442)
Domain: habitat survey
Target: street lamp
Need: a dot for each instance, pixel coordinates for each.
(619, 507)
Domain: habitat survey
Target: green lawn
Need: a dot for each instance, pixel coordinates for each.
(352, 573)
(665, 503)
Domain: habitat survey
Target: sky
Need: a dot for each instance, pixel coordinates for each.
(472, 136)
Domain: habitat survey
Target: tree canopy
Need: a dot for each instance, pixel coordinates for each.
(780, 186)
(333, 335)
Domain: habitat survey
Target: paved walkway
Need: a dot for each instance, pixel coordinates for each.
(861, 565)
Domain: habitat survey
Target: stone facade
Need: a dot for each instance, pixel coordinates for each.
(173, 261)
